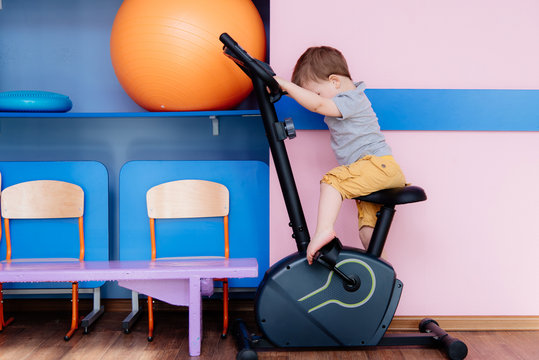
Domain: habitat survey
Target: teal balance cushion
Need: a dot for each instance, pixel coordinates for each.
(34, 101)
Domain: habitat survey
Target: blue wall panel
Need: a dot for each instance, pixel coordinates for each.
(60, 237)
(115, 141)
(248, 185)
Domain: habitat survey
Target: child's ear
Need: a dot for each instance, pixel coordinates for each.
(335, 81)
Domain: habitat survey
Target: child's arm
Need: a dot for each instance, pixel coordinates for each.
(308, 99)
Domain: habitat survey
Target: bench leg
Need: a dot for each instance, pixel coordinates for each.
(133, 316)
(97, 311)
(195, 316)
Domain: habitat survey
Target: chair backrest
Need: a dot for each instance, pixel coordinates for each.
(43, 199)
(187, 199)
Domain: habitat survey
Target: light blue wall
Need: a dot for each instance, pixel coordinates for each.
(63, 46)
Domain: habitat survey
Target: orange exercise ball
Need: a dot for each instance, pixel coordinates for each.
(168, 57)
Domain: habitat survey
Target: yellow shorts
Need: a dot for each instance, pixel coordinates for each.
(367, 175)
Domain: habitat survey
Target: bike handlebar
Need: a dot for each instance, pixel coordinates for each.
(251, 66)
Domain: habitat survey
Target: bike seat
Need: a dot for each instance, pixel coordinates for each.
(395, 196)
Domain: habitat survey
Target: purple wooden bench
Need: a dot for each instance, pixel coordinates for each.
(177, 282)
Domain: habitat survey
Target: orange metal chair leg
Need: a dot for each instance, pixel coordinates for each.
(74, 310)
(150, 318)
(3, 323)
(225, 308)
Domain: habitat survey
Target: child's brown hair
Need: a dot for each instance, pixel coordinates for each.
(318, 63)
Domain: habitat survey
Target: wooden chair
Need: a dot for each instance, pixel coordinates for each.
(44, 199)
(188, 199)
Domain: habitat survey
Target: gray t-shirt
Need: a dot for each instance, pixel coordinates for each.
(357, 133)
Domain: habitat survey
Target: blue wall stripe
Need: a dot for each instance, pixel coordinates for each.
(442, 110)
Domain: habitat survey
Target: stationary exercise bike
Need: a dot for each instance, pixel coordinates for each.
(348, 297)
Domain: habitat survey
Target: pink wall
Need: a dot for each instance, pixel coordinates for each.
(486, 44)
(471, 248)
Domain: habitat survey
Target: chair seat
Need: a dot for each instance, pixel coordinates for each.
(396, 196)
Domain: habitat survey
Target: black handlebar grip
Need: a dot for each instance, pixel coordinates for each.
(251, 66)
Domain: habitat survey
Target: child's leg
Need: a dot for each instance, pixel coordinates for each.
(328, 209)
(363, 177)
(366, 213)
(365, 235)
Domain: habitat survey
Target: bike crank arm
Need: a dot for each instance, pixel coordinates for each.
(328, 258)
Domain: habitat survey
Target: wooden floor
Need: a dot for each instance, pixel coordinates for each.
(39, 335)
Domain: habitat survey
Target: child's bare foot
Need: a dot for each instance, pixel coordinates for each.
(317, 242)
